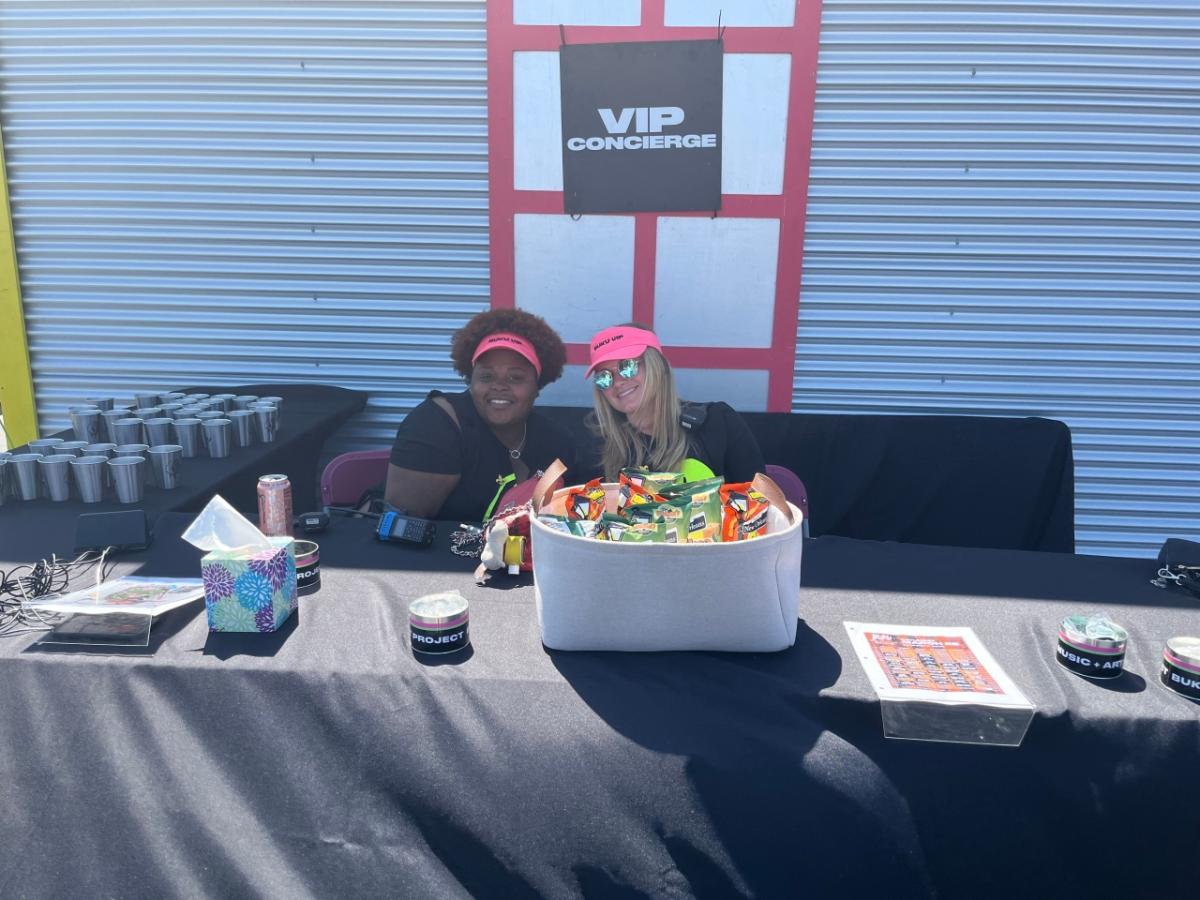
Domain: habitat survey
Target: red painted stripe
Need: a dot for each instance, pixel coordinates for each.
(801, 97)
(753, 206)
(645, 258)
(500, 37)
(737, 40)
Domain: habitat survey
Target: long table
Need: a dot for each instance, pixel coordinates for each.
(310, 414)
(327, 759)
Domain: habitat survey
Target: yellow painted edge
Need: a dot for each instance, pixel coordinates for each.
(16, 377)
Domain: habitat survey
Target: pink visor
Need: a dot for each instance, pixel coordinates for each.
(620, 342)
(506, 340)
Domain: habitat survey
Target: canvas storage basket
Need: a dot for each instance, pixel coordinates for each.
(603, 595)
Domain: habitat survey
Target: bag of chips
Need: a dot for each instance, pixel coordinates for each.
(610, 527)
(586, 501)
(656, 532)
(744, 512)
(704, 512)
(654, 482)
(672, 513)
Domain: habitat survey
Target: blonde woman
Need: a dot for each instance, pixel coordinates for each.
(642, 422)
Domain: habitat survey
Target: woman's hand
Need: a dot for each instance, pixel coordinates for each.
(419, 494)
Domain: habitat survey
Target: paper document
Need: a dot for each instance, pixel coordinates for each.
(931, 663)
(130, 594)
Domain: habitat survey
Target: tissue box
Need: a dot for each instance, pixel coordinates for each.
(250, 590)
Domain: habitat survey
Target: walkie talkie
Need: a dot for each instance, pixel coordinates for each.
(405, 529)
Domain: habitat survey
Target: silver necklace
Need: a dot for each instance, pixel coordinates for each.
(516, 453)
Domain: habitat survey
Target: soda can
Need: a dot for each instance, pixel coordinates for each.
(275, 506)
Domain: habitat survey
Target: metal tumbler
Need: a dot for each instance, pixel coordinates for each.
(187, 435)
(243, 401)
(277, 401)
(218, 436)
(171, 410)
(90, 475)
(127, 477)
(68, 448)
(101, 449)
(101, 403)
(146, 399)
(43, 445)
(164, 465)
(111, 417)
(267, 419)
(134, 450)
(25, 478)
(56, 474)
(147, 412)
(128, 431)
(244, 426)
(87, 423)
(209, 414)
(159, 431)
(172, 397)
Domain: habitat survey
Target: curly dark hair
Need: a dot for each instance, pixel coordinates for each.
(545, 340)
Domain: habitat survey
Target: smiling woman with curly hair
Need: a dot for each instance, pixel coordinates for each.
(455, 454)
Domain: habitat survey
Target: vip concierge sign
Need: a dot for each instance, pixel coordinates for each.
(641, 126)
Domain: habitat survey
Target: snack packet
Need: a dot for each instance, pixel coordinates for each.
(654, 482)
(610, 527)
(586, 501)
(586, 528)
(744, 512)
(657, 532)
(704, 515)
(673, 513)
(558, 523)
(630, 494)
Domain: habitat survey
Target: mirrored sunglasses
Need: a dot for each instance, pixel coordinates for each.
(603, 379)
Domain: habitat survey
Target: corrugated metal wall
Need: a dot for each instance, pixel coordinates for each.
(1003, 218)
(1003, 213)
(235, 192)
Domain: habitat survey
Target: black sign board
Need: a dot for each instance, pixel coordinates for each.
(641, 126)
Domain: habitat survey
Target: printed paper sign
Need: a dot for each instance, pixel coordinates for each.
(942, 664)
(641, 126)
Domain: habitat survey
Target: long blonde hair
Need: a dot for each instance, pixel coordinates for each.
(666, 446)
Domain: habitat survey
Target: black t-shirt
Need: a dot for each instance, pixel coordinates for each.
(723, 441)
(429, 441)
(718, 437)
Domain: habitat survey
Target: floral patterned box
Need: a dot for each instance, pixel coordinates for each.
(247, 590)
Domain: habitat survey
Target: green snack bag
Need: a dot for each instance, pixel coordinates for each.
(610, 527)
(651, 533)
(704, 516)
(586, 528)
(655, 482)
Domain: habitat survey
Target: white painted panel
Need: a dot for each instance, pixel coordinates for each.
(754, 122)
(743, 389)
(577, 12)
(577, 275)
(732, 12)
(537, 122)
(570, 390)
(714, 281)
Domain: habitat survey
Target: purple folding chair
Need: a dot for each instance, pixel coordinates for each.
(350, 475)
(793, 488)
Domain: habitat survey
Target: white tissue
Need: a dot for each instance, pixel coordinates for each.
(221, 527)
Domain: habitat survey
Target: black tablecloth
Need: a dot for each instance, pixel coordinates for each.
(326, 759)
(310, 414)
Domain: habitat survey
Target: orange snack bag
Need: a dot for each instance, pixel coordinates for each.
(586, 501)
(743, 512)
